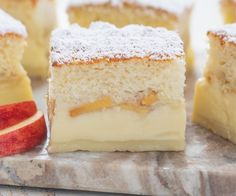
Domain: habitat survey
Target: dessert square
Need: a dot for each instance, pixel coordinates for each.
(228, 8)
(171, 14)
(39, 17)
(14, 82)
(215, 93)
(116, 89)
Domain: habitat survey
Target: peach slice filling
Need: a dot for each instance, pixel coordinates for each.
(105, 102)
(150, 99)
(143, 106)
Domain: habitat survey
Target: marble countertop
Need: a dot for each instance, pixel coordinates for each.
(26, 191)
(206, 167)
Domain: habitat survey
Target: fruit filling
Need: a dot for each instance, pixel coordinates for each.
(142, 106)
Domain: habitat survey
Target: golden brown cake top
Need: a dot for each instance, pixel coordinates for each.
(175, 7)
(104, 41)
(9, 25)
(226, 33)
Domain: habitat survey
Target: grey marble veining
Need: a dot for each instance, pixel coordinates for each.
(26, 191)
(206, 167)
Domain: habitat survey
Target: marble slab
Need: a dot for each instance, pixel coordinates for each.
(206, 167)
(28, 191)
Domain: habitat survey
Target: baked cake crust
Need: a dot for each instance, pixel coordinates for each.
(105, 42)
(174, 8)
(226, 34)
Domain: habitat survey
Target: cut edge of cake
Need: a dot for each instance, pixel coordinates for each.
(39, 17)
(13, 36)
(14, 82)
(214, 105)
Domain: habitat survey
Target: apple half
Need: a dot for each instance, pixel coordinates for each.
(23, 136)
(13, 114)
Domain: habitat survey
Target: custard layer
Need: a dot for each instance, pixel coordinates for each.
(15, 90)
(118, 129)
(215, 110)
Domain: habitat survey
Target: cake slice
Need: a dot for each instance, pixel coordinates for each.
(116, 89)
(39, 17)
(228, 8)
(171, 14)
(215, 93)
(14, 82)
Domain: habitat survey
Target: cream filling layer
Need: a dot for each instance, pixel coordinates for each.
(15, 90)
(215, 110)
(165, 122)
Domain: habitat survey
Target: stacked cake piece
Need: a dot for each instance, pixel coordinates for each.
(172, 14)
(14, 82)
(215, 95)
(116, 89)
(39, 17)
(22, 126)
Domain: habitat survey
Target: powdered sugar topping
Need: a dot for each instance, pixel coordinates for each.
(173, 6)
(105, 41)
(10, 25)
(226, 32)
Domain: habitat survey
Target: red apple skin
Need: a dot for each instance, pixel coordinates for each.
(23, 139)
(15, 113)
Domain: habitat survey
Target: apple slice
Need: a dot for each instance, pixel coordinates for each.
(23, 136)
(15, 113)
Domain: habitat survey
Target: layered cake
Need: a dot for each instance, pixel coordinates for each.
(14, 82)
(171, 14)
(116, 89)
(215, 93)
(39, 17)
(228, 8)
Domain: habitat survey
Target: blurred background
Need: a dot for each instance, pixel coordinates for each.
(206, 15)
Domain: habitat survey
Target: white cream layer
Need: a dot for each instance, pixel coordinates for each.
(166, 122)
(215, 109)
